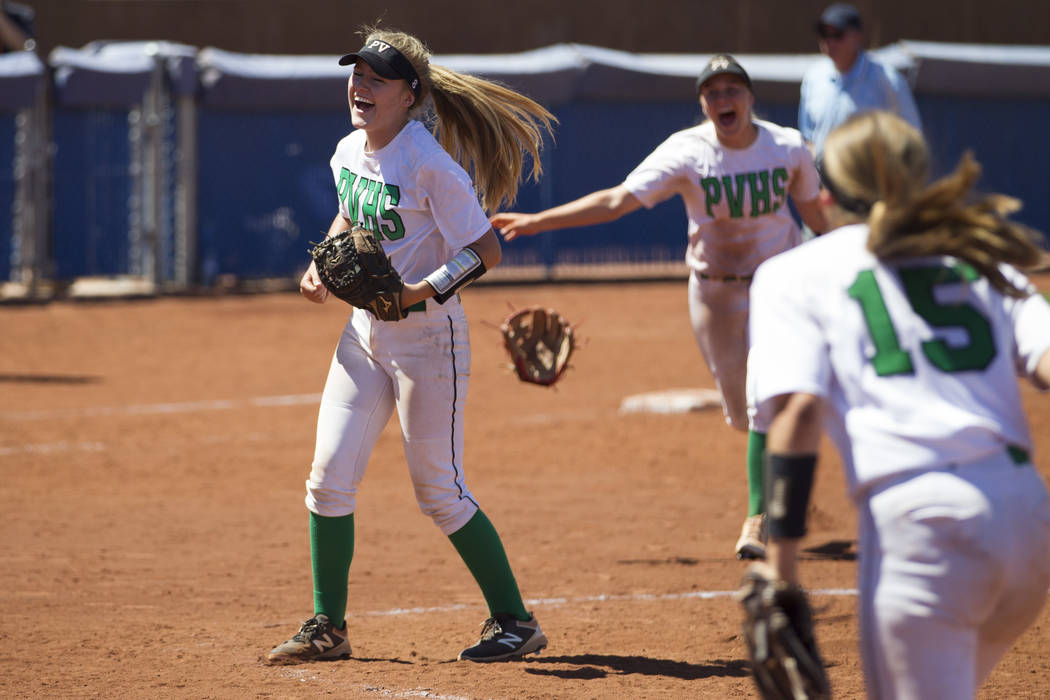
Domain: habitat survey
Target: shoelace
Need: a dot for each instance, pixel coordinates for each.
(490, 628)
(308, 628)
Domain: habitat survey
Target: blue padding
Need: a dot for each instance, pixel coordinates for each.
(92, 188)
(1011, 158)
(266, 189)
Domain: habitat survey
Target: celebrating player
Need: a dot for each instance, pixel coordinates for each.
(735, 173)
(394, 177)
(904, 334)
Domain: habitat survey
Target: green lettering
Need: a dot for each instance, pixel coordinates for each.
(979, 350)
(396, 227)
(370, 205)
(759, 184)
(780, 178)
(359, 187)
(889, 358)
(713, 193)
(346, 182)
(919, 284)
(735, 197)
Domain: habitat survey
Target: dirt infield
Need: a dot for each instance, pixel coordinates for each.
(152, 460)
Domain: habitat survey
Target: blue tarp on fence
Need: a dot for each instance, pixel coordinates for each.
(7, 192)
(21, 76)
(266, 127)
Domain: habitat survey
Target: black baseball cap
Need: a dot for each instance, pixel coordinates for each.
(722, 64)
(387, 61)
(839, 16)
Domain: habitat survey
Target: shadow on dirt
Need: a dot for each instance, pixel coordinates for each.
(603, 665)
(49, 379)
(835, 550)
(677, 561)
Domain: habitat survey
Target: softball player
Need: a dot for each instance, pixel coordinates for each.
(393, 176)
(735, 173)
(906, 332)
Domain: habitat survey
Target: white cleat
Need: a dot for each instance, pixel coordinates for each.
(752, 542)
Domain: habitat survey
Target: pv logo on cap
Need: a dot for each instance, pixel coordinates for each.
(378, 45)
(719, 62)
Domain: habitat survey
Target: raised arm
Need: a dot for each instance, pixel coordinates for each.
(594, 208)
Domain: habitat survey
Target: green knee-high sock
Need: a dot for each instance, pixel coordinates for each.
(331, 551)
(480, 547)
(756, 455)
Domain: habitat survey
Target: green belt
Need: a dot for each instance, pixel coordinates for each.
(725, 278)
(1018, 454)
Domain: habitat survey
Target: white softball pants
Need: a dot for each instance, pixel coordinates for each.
(718, 312)
(954, 566)
(420, 366)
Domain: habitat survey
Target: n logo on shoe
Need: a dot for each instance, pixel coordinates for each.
(510, 639)
(323, 643)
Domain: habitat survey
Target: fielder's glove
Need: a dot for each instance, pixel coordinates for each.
(354, 267)
(540, 343)
(778, 630)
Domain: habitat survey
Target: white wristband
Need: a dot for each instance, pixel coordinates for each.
(462, 269)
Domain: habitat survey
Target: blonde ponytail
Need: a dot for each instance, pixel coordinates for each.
(878, 158)
(486, 127)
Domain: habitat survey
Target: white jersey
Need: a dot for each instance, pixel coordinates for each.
(405, 193)
(918, 360)
(736, 199)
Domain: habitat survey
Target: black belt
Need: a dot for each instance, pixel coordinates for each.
(725, 278)
(1018, 454)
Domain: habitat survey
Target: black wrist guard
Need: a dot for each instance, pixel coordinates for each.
(789, 482)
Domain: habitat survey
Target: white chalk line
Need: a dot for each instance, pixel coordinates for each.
(52, 447)
(49, 448)
(601, 598)
(420, 693)
(166, 408)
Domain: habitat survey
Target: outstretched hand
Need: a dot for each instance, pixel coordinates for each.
(513, 224)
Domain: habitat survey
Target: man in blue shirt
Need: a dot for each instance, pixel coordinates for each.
(848, 80)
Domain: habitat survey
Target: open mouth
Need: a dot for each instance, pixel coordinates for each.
(362, 105)
(727, 118)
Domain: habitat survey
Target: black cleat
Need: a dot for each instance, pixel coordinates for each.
(505, 637)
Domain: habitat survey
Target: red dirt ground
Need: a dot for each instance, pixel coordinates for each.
(155, 539)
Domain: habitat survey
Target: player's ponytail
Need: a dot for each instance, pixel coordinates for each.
(878, 160)
(486, 127)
